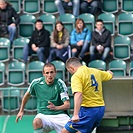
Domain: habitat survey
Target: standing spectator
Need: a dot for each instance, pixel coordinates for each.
(91, 6)
(39, 43)
(9, 18)
(62, 5)
(101, 42)
(89, 106)
(59, 43)
(52, 101)
(80, 39)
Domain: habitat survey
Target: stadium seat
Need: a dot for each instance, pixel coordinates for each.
(109, 21)
(110, 6)
(2, 73)
(127, 6)
(16, 5)
(26, 25)
(18, 45)
(68, 20)
(49, 21)
(99, 64)
(118, 67)
(89, 20)
(131, 68)
(16, 73)
(34, 70)
(122, 47)
(60, 68)
(48, 6)
(10, 99)
(31, 6)
(4, 49)
(31, 105)
(125, 24)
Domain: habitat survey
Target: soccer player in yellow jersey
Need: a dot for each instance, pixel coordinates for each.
(89, 106)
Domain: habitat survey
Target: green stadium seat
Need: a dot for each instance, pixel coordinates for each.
(125, 24)
(110, 6)
(122, 47)
(127, 6)
(16, 73)
(2, 73)
(118, 67)
(34, 70)
(99, 64)
(89, 20)
(68, 20)
(16, 5)
(31, 6)
(60, 68)
(4, 49)
(48, 6)
(18, 45)
(26, 25)
(49, 21)
(131, 69)
(10, 99)
(109, 21)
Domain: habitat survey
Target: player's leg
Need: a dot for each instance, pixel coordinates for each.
(37, 124)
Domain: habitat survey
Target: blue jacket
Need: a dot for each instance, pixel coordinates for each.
(76, 37)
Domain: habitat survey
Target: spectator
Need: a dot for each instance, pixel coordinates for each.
(9, 18)
(89, 106)
(91, 6)
(52, 101)
(62, 5)
(80, 39)
(101, 42)
(59, 43)
(39, 43)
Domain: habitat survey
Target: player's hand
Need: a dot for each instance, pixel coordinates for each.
(19, 116)
(75, 118)
(51, 106)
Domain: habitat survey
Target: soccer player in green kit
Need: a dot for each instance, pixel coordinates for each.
(89, 106)
(52, 101)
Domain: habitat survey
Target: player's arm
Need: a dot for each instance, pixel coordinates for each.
(24, 101)
(77, 105)
(110, 72)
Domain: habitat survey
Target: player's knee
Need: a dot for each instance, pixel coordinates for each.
(37, 123)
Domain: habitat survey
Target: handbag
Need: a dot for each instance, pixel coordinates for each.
(4, 25)
(3, 28)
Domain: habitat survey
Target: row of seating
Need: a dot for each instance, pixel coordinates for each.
(124, 23)
(48, 6)
(121, 48)
(18, 75)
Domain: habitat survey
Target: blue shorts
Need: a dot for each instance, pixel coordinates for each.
(89, 119)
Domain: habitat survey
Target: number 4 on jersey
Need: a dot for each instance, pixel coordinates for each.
(94, 82)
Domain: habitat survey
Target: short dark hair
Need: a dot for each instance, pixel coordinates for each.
(39, 20)
(49, 65)
(99, 20)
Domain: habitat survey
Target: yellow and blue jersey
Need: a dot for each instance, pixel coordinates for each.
(89, 82)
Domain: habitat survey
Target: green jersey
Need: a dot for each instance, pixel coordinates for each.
(55, 93)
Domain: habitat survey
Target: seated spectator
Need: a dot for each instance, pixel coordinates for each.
(101, 42)
(59, 43)
(39, 43)
(91, 6)
(80, 39)
(9, 19)
(62, 5)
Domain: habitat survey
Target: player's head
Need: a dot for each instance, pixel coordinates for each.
(72, 64)
(49, 72)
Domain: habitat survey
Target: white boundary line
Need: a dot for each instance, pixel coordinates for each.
(5, 123)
